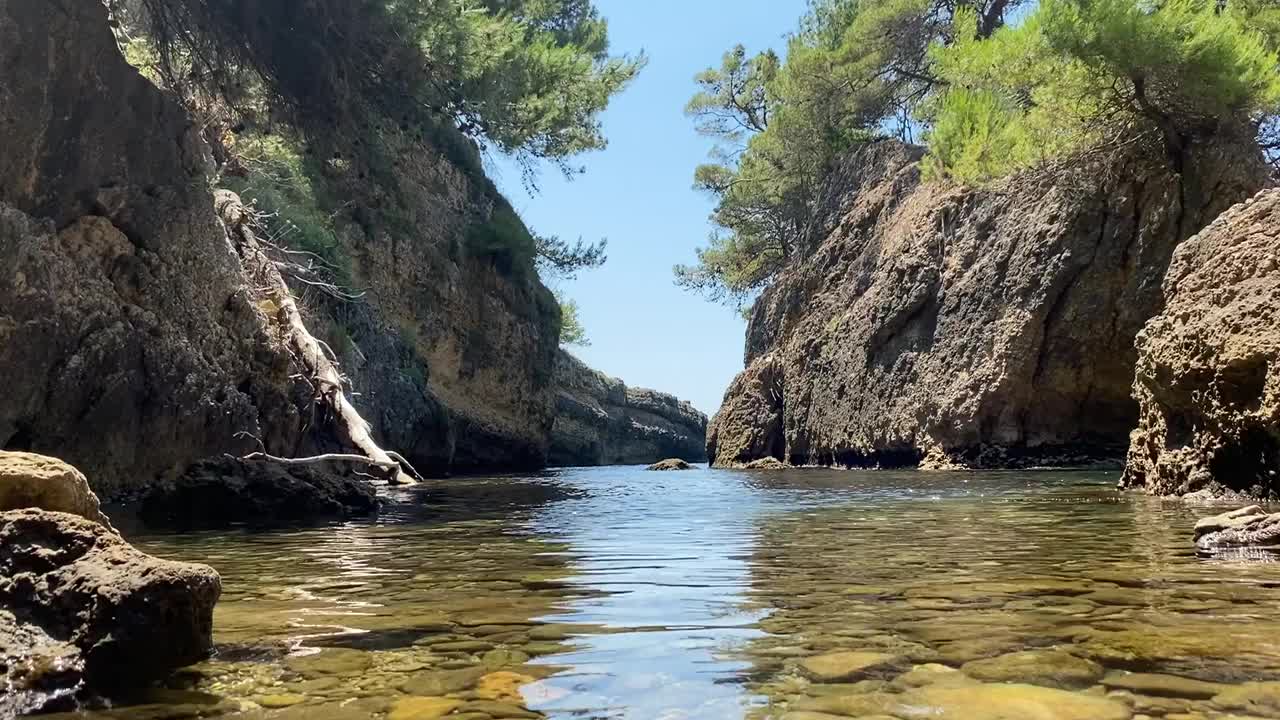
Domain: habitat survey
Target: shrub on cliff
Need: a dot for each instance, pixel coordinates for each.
(1079, 76)
(855, 69)
(527, 76)
(312, 103)
(1061, 79)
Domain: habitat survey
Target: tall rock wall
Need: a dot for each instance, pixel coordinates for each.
(985, 327)
(601, 421)
(131, 343)
(1208, 376)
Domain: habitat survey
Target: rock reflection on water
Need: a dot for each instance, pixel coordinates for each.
(808, 595)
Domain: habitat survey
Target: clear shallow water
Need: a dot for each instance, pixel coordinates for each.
(617, 593)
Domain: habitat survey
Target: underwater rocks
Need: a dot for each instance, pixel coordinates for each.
(601, 421)
(227, 491)
(82, 610)
(1208, 374)
(1247, 527)
(994, 326)
(28, 480)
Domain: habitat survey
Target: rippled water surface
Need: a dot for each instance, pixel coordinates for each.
(809, 595)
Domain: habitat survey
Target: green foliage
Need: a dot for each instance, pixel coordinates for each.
(559, 258)
(1085, 74)
(571, 330)
(854, 70)
(529, 77)
(281, 184)
(504, 240)
(1070, 77)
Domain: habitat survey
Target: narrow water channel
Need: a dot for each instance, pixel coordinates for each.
(616, 593)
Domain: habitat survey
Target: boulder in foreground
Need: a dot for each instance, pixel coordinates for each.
(100, 616)
(1247, 527)
(1208, 373)
(227, 491)
(28, 480)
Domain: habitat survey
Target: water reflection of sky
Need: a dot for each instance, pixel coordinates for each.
(671, 559)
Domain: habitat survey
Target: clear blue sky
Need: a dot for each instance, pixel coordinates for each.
(638, 193)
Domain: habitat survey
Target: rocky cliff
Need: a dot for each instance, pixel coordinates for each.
(131, 341)
(1208, 375)
(955, 325)
(601, 421)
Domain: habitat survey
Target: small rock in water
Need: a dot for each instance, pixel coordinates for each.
(503, 686)
(844, 666)
(670, 464)
(282, 700)
(1162, 685)
(1007, 702)
(1254, 697)
(443, 682)
(767, 463)
(1247, 527)
(422, 708)
(1047, 668)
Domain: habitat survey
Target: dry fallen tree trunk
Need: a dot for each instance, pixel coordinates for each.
(353, 429)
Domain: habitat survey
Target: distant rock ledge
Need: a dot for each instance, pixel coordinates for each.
(601, 421)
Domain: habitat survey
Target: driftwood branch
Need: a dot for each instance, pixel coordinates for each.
(353, 430)
(320, 459)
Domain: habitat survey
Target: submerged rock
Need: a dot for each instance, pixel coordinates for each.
(845, 666)
(1247, 527)
(1010, 701)
(1208, 374)
(977, 701)
(1162, 685)
(601, 421)
(225, 491)
(670, 464)
(28, 480)
(1047, 668)
(131, 618)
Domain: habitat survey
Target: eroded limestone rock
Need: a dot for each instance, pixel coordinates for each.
(130, 617)
(28, 480)
(1208, 372)
(1247, 527)
(992, 325)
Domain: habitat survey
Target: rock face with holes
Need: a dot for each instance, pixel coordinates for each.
(82, 610)
(601, 421)
(1208, 376)
(976, 327)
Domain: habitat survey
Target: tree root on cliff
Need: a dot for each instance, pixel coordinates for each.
(353, 430)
